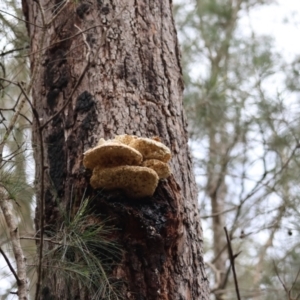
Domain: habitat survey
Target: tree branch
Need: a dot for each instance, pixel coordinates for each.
(232, 258)
(10, 266)
(21, 278)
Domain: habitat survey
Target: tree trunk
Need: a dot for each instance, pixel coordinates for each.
(217, 190)
(108, 68)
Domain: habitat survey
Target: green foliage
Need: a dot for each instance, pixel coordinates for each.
(83, 251)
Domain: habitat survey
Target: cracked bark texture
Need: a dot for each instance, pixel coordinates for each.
(133, 85)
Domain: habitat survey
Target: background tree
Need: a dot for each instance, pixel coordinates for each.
(99, 69)
(15, 146)
(245, 141)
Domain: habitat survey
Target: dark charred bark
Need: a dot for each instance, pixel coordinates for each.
(122, 74)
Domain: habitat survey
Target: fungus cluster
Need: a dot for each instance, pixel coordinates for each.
(129, 163)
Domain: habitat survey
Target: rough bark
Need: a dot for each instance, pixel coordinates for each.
(122, 61)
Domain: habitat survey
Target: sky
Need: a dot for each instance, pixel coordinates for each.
(283, 22)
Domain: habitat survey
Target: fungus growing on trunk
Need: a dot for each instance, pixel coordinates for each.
(129, 163)
(161, 168)
(151, 149)
(135, 181)
(111, 154)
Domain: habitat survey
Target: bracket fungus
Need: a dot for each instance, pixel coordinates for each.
(162, 169)
(151, 149)
(136, 181)
(111, 154)
(129, 163)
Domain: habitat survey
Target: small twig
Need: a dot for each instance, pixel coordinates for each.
(65, 39)
(38, 239)
(43, 27)
(13, 50)
(68, 100)
(9, 158)
(11, 125)
(225, 280)
(76, 84)
(14, 293)
(218, 255)
(281, 281)
(3, 11)
(218, 275)
(232, 258)
(296, 278)
(10, 266)
(86, 43)
(58, 13)
(219, 213)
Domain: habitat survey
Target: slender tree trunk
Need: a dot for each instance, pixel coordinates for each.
(113, 67)
(216, 190)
